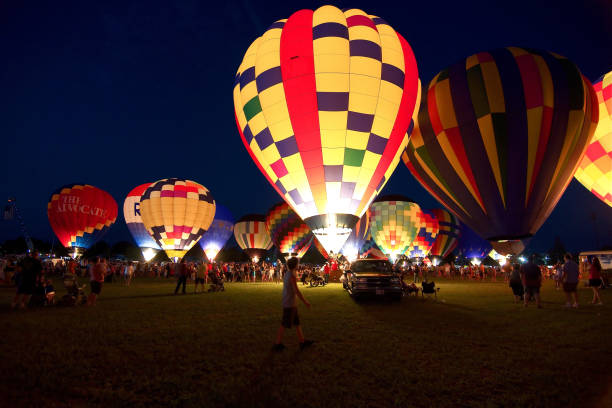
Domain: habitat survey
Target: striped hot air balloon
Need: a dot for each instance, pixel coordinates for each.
(176, 213)
(357, 238)
(323, 101)
(499, 138)
(218, 233)
(426, 236)
(288, 232)
(394, 224)
(252, 236)
(448, 234)
(595, 170)
(133, 220)
(80, 214)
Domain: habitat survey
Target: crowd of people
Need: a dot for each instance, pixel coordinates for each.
(33, 277)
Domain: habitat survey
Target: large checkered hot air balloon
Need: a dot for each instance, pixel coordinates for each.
(394, 224)
(499, 138)
(426, 236)
(218, 233)
(252, 236)
(357, 238)
(176, 213)
(323, 101)
(80, 215)
(133, 220)
(448, 234)
(595, 170)
(288, 232)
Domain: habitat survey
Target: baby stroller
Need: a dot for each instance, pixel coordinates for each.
(216, 283)
(429, 288)
(75, 294)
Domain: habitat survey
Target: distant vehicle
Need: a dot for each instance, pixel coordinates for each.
(373, 278)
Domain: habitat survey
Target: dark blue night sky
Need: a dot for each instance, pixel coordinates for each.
(116, 94)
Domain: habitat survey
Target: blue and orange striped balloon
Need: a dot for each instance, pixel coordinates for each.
(499, 138)
(323, 102)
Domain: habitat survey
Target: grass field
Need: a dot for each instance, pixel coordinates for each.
(142, 346)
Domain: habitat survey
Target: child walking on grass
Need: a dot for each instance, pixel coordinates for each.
(290, 313)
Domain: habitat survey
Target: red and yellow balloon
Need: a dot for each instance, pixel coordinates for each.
(323, 102)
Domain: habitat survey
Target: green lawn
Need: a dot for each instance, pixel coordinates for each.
(142, 346)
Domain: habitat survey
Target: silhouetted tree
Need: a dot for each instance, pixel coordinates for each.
(557, 251)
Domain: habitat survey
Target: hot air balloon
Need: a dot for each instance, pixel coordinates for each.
(321, 249)
(499, 137)
(371, 250)
(394, 222)
(176, 213)
(448, 234)
(471, 245)
(323, 101)
(252, 236)
(133, 220)
(288, 232)
(500, 259)
(218, 233)
(595, 170)
(428, 228)
(357, 238)
(80, 215)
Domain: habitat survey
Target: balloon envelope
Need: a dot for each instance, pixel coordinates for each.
(394, 224)
(323, 101)
(448, 234)
(371, 250)
(357, 237)
(595, 170)
(80, 214)
(288, 232)
(133, 220)
(428, 228)
(176, 213)
(499, 137)
(252, 236)
(218, 233)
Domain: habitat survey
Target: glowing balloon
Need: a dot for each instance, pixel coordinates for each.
(133, 220)
(321, 249)
(80, 215)
(500, 136)
(218, 233)
(448, 234)
(595, 170)
(357, 238)
(394, 224)
(288, 232)
(428, 228)
(500, 259)
(176, 213)
(252, 236)
(371, 250)
(471, 245)
(323, 101)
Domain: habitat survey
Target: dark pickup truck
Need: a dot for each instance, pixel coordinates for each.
(372, 278)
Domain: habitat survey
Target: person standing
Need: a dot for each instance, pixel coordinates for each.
(96, 278)
(515, 283)
(289, 303)
(570, 276)
(201, 272)
(181, 274)
(29, 269)
(595, 280)
(532, 281)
